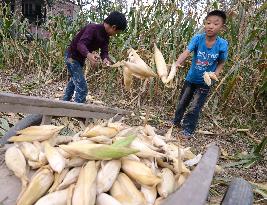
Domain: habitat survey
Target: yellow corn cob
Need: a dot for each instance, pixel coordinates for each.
(55, 198)
(58, 178)
(36, 133)
(98, 151)
(105, 199)
(127, 78)
(107, 175)
(160, 63)
(150, 194)
(55, 159)
(70, 178)
(29, 151)
(15, 161)
(207, 79)
(213, 76)
(172, 73)
(124, 190)
(140, 172)
(100, 130)
(166, 186)
(85, 189)
(37, 187)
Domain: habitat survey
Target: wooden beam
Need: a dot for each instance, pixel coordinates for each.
(50, 103)
(18, 108)
(196, 188)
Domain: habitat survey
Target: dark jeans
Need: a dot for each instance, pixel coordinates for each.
(77, 82)
(197, 95)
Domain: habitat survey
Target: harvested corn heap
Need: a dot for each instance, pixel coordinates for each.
(109, 163)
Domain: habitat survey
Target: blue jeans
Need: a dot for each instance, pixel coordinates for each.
(77, 82)
(197, 95)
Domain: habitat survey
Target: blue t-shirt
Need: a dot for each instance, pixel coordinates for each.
(205, 59)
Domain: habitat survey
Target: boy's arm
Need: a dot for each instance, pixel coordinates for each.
(104, 54)
(219, 67)
(182, 58)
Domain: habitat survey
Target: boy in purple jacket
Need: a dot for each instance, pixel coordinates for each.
(91, 38)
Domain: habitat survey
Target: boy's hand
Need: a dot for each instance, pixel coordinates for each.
(93, 57)
(106, 62)
(178, 65)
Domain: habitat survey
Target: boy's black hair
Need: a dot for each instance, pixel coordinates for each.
(217, 13)
(117, 19)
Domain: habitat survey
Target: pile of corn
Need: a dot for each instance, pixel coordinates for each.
(105, 164)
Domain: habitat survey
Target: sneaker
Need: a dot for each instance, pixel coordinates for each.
(185, 134)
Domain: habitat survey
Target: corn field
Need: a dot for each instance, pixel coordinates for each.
(242, 89)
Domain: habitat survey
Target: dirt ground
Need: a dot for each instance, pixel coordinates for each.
(230, 142)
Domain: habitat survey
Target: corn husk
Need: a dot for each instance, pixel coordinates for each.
(85, 189)
(124, 190)
(207, 79)
(150, 194)
(101, 139)
(99, 130)
(70, 194)
(107, 175)
(159, 201)
(29, 151)
(127, 78)
(139, 69)
(105, 199)
(140, 172)
(97, 151)
(162, 69)
(37, 187)
(58, 178)
(166, 186)
(55, 198)
(36, 133)
(55, 159)
(64, 154)
(70, 178)
(179, 180)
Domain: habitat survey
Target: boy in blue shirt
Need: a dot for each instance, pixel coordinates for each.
(210, 53)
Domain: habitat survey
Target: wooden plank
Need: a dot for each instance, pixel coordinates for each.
(196, 188)
(18, 108)
(43, 102)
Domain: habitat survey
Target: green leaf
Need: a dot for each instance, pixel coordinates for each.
(124, 142)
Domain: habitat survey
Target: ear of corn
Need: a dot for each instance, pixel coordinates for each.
(127, 78)
(58, 178)
(207, 79)
(124, 142)
(70, 178)
(70, 194)
(160, 64)
(36, 133)
(98, 151)
(179, 180)
(16, 162)
(37, 187)
(166, 186)
(150, 194)
(29, 151)
(159, 201)
(75, 162)
(100, 130)
(107, 175)
(101, 139)
(55, 159)
(105, 199)
(139, 69)
(172, 73)
(85, 189)
(58, 198)
(140, 172)
(124, 190)
(213, 76)
(64, 154)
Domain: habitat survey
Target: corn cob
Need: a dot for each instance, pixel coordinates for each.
(58, 178)
(105, 199)
(97, 151)
(166, 186)
(37, 187)
(75, 162)
(139, 70)
(55, 198)
(101, 139)
(159, 201)
(150, 194)
(172, 73)
(213, 76)
(100, 130)
(55, 159)
(107, 175)
(207, 79)
(140, 172)
(160, 64)
(127, 78)
(70, 178)
(29, 151)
